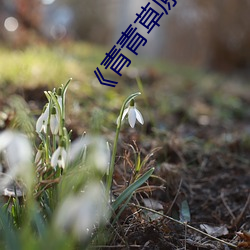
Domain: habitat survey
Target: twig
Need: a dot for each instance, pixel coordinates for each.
(227, 207)
(184, 224)
(185, 242)
(175, 198)
(239, 217)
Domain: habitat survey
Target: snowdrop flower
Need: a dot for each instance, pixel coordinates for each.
(59, 157)
(54, 121)
(17, 152)
(79, 214)
(98, 152)
(42, 122)
(133, 114)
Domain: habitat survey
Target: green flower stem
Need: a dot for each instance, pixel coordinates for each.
(66, 136)
(65, 87)
(54, 142)
(47, 138)
(112, 164)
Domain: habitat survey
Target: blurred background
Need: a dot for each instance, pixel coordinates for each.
(213, 34)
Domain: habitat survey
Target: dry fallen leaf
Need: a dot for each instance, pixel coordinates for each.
(215, 231)
(153, 204)
(245, 236)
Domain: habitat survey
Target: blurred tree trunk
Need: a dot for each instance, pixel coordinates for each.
(229, 35)
(214, 33)
(28, 14)
(92, 20)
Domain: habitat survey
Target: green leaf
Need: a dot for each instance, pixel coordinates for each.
(10, 236)
(138, 163)
(129, 190)
(185, 212)
(122, 209)
(39, 222)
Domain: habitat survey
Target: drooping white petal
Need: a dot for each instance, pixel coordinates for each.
(59, 158)
(139, 116)
(77, 148)
(18, 156)
(101, 154)
(54, 124)
(125, 112)
(61, 163)
(98, 152)
(39, 123)
(44, 127)
(38, 156)
(123, 116)
(46, 113)
(55, 156)
(19, 151)
(132, 117)
(63, 160)
(64, 154)
(79, 214)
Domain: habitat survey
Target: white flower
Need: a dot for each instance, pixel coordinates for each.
(17, 152)
(59, 158)
(79, 214)
(133, 114)
(54, 121)
(98, 152)
(42, 122)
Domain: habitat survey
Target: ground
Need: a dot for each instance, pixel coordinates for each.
(197, 123)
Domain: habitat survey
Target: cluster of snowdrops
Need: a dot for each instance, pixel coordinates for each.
(66, 186)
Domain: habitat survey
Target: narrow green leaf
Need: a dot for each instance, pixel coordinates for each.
(10, 236)
(138, 163)
(128, 191)
(122, 209)
(65, 87)
(39, 222)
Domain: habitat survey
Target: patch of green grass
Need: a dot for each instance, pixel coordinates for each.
(176, 89)
(37, 65)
